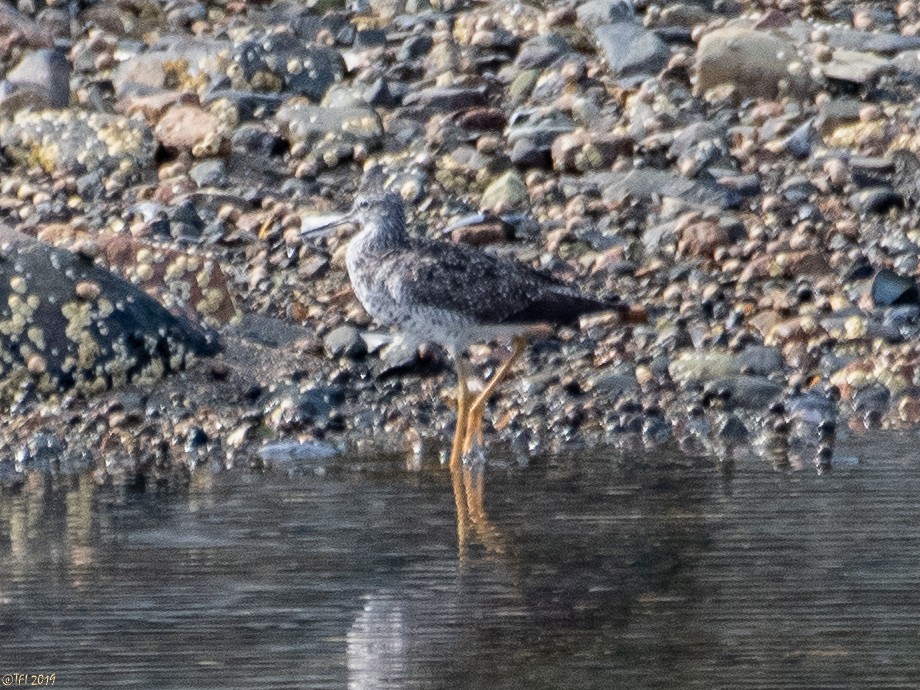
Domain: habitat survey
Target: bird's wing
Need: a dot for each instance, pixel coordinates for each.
(483, 287)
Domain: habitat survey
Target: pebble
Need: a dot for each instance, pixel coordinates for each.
(209, 173)
(876, 200)
(506, 193)
(345, 341)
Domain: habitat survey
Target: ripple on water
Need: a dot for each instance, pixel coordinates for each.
(602, 570)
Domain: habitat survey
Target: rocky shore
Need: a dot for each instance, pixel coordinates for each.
(747, 172)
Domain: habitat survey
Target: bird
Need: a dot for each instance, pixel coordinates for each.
(452, 295)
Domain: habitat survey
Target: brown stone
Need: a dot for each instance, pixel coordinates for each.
(153, 106)
(806, 263)
(583, 151)
(186, 127)
(774, 19)
(764, 321)
(481, 234)
(87, 290)
(702, 239)
(757, 268)
(37, 365)
(800, 329)
(909, 410)
(18, 29)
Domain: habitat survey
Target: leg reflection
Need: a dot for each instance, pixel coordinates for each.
(473, 523)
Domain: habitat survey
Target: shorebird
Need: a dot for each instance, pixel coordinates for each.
(450, 294)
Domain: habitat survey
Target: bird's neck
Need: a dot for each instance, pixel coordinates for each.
(383, 234)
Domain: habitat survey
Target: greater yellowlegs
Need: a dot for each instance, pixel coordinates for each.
(450, 294)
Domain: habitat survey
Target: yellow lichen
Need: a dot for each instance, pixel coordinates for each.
(104, 308)
(37, 336)
(144, 272)
(211, 301)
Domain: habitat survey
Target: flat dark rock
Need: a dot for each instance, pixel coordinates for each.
(876, 200)
(318, 68)
(881, 42)
(542, 51)
(889, 288)
(446, 99)
(647, 184)
(633, 53)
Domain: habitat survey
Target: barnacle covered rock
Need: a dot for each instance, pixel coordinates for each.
(76, 142)
(68, 324)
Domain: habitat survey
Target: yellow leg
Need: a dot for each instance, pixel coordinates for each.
(490, 536)
(478, 406)
(473, 435)
(463, 411)
(455, 465)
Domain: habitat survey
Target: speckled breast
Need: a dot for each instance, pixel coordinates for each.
(369, 285)
(417, 321)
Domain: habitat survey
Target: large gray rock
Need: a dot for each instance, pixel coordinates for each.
(755, 63)
(68, 324)
(46, 71)
(633, 52)
(650, 185)
(311, 124)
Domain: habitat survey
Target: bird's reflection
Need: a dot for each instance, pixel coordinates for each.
(468, 481)
(376, 644)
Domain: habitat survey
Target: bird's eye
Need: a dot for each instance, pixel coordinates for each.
(364, 203)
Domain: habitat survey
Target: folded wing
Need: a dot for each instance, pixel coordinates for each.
(484, 288)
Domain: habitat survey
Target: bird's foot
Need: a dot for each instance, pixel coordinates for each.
(475, 456)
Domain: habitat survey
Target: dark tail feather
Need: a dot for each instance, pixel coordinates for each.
(560, 309)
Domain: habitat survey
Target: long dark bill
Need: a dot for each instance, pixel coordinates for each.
(326, 228)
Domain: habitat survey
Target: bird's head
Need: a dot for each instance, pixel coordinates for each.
(374, 206)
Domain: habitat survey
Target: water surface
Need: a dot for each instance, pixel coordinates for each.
(595, 570)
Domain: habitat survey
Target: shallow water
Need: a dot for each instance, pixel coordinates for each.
(596, 571)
